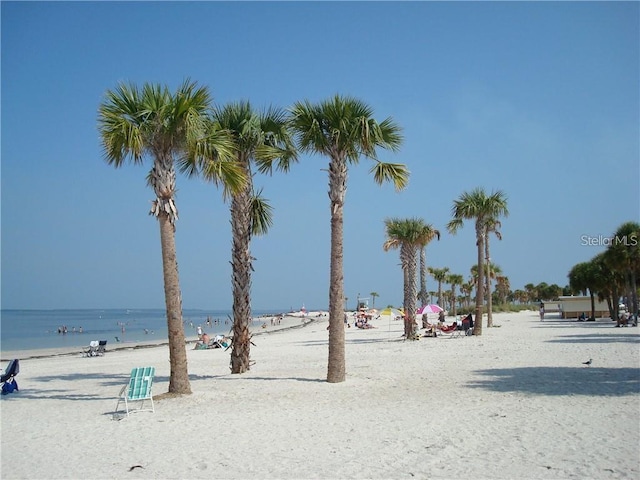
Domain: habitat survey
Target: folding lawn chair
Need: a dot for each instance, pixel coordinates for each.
(138, 389)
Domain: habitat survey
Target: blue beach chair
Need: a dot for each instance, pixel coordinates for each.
(8, 378)
(102, 347)
(138, 389)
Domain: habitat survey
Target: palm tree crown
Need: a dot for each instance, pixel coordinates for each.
(342, 128)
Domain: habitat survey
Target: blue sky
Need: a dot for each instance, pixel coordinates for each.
(538, 99)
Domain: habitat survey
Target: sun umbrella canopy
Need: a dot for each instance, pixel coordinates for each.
(431, 308)
(393, 312)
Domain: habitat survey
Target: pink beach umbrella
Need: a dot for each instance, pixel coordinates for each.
(431, 308)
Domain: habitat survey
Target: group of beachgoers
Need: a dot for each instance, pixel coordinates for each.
(462, 324)
(63, 330)
(205, 342)
(625, 318)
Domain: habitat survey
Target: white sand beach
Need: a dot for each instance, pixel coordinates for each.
(514, 403)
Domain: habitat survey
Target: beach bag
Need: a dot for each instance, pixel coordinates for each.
(9, 387)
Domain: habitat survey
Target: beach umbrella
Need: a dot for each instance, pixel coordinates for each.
(392, 312)
(431, 308)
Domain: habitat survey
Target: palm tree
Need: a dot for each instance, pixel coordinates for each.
(583, 278)
(503, 287)
(342, 128)
(466, 289)
(482, 208)
(491, 225)
(422, 294)
(151, 121)
(408, 235)
(520, 296)
(532, 293)
(439, 275)
(373, 296)
(454, 280)
(261, 138)
(608, 280)
(625, 255)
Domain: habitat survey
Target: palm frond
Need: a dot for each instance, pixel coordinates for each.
(391, 172)
(261, 214)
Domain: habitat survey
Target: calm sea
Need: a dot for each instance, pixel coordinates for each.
(39, 329)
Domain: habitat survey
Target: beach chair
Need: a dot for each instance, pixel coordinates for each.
(138, 389)
(449, 330)
(92, 350)
(8, 378)
(102, 347)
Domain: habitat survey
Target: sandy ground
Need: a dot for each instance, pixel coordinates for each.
(514, 403)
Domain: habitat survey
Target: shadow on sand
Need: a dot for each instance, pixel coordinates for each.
(591, 381)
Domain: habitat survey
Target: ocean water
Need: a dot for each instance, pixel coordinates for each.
(38, 329)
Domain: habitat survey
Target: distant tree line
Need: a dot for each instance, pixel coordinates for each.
(612, 275)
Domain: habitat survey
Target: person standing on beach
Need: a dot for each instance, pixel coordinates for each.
(542, 312)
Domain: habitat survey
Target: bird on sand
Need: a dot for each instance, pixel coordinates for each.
(588, 363)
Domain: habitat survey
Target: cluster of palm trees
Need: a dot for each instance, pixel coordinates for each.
(182, 131)
(411, 236)
(613, 274)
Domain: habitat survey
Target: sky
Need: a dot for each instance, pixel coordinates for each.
(537, 99)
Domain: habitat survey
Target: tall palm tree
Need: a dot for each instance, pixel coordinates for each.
(454, 280)
(373, 296)
(439, 275)
(259, 138)
(491, 274)
(503, 288)
(482, 208)
(135, 123)
(467, 288)
(408, 235)
(492, 225)
(423, 294)
(608, 280)
(342, 128)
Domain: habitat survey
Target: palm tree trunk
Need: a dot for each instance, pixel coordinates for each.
(162, 177)
(453, 298)
(488, 283)
(477, 327)
(241, 268)
(179, 377)
(410, 291)
(423, 277)
(634, 290)
(336, 369)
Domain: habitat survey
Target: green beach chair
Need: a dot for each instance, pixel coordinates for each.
(138, 389)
